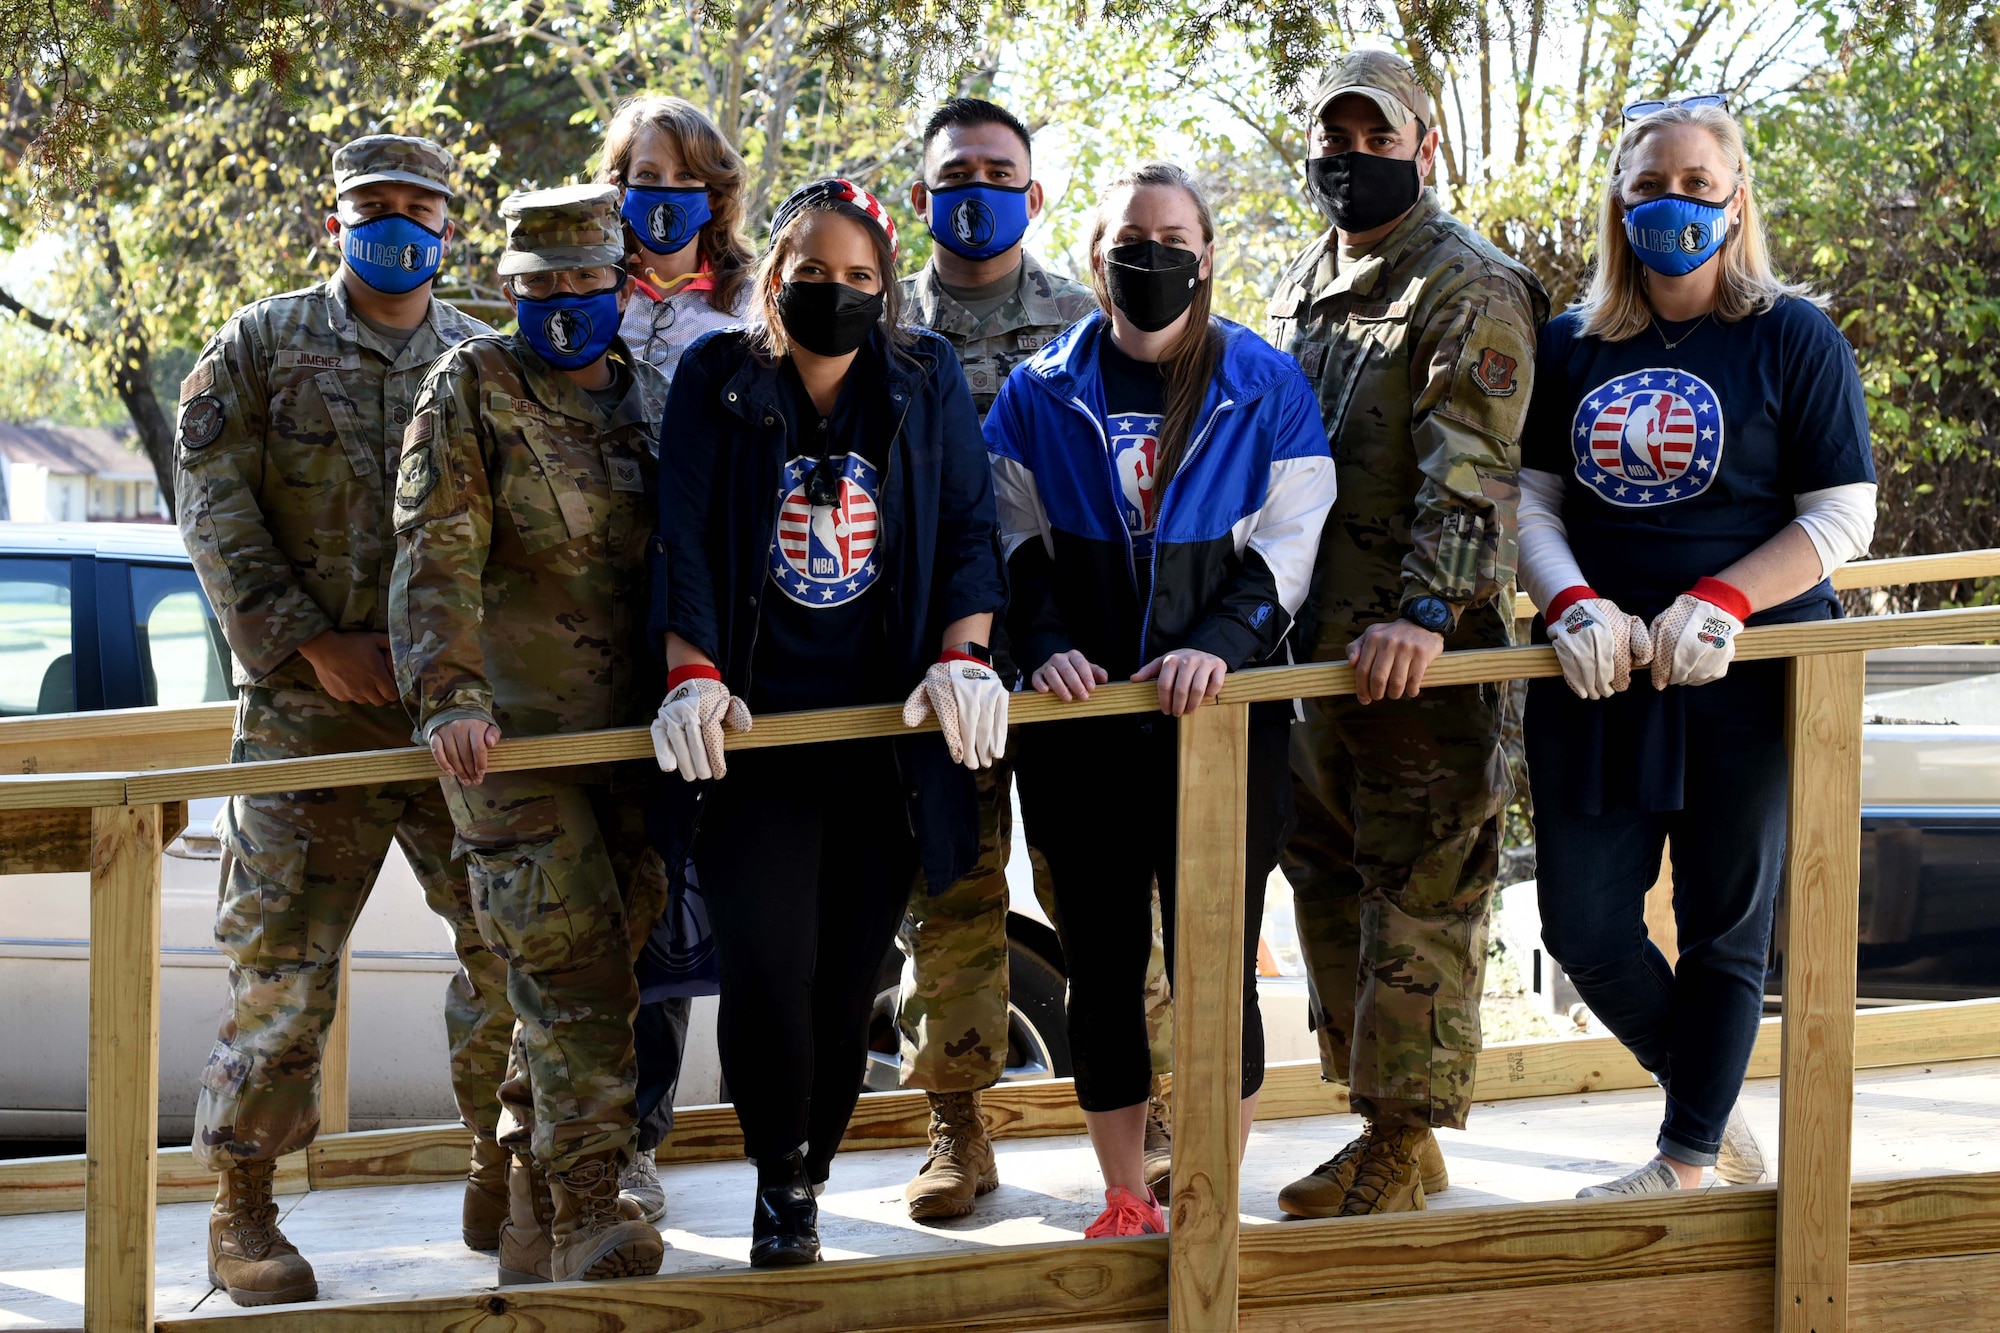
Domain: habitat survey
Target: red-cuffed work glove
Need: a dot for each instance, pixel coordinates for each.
(687, 733)
(1694, 640)
(1596, 642)
(971, 707)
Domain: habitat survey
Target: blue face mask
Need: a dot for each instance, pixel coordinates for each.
(979, 221)
(1675, 234)
(569, 331)
(392, 254)
(665, 220)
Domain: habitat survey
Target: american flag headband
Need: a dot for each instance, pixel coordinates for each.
(834, 190)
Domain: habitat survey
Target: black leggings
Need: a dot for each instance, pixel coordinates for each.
(1100, 796)
(806, 859)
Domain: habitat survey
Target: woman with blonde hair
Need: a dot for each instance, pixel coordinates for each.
(1696, 459)
(683, 209)
(1162, 477)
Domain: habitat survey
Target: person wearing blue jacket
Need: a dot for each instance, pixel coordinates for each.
(1162, 479)
(826, 538)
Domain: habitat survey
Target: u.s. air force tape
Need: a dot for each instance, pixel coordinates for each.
(201, 422)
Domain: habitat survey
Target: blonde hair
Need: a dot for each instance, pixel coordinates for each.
(767, 328)
(1196, 350)
(1614, 307)
(725, 252)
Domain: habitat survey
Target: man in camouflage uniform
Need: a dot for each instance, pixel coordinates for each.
(523, 511)
(998, 306)
(288, 435)
(1419, 337)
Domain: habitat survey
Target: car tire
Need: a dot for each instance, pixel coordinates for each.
(1038, 1032)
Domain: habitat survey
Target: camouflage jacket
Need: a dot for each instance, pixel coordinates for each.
(1042, 306)
(290, 426)
(1422, 354)
(523, 515)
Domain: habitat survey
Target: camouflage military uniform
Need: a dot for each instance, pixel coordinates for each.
(522, 516)
(288, 442)
(1422, 353)
(952, 1011)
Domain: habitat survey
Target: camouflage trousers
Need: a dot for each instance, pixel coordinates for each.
(952, 1007)
(1393, 867)
(297, 869)
(565, 885)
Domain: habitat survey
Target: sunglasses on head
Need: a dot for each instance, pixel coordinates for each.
(1641, 110)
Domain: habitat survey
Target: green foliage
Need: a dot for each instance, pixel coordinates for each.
(1885, 182)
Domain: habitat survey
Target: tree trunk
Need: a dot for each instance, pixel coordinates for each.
(132, 374)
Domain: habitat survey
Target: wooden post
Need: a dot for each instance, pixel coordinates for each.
(1822, 904)
(122, 1100)
(1208, 1019)
(333, 1056)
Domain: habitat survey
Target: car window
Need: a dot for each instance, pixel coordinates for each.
(181, 651)
(37, 674)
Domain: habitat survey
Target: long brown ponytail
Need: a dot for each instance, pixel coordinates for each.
(1196, 350)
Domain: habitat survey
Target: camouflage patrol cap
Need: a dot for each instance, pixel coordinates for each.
(571, 226)
(392, 157)
(1383, 78)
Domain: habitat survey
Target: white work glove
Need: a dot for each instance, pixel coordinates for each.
(1597, 643)
(1694, 640)
(687, 733)
(971, 707)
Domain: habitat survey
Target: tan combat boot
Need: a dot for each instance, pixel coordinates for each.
(595, 1235)
(1388, 1173)
(524, 1236)
(1322, 1193)
(485, 1207)
(248, 1256)
(960, 1166)
(1159, 1143)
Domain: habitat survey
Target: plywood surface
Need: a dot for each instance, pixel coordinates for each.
(403, 1241)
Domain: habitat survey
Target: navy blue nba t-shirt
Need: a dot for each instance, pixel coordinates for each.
(1135, 405)
(1677, 463)
(820, 641)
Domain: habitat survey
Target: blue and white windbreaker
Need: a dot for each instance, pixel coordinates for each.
(1235, 533)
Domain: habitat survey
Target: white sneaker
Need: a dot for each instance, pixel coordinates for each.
(1740, 1160)
(640, 1182)
(1655, 1177)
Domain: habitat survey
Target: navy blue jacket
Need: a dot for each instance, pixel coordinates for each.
(723, 444)
(1236, 532)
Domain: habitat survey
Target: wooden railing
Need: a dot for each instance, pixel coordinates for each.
(128, 813)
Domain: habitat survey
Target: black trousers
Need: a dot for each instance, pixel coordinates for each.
(806, 858)
(1100, 794)
(1692, 1024)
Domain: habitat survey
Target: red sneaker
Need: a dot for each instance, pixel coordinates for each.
(1126, 1214)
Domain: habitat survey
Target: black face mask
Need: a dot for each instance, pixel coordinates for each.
(1151, 283)
(829, 318)
(1360, 191)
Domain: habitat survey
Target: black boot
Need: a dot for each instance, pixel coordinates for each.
(784, 1231)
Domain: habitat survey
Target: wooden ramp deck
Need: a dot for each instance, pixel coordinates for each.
(402, 1240)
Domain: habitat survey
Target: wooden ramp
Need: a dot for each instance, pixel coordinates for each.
(402, 1240)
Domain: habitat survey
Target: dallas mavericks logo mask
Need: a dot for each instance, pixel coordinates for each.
(392, 254)
(1675, 234)
(1650, 438)
(665, 220)
(569, 331)
(979, 221)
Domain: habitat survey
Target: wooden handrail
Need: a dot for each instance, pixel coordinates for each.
(1857, 634)
(1891, 572)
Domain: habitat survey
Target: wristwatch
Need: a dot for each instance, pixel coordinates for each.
(971, 649)
(1431, 613)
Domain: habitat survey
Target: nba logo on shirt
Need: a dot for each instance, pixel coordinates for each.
(1653, 437)
(825, 554)
(1135, 444)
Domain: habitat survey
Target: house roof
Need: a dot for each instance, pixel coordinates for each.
(87, 450)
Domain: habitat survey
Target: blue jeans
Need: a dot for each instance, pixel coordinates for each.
(1690, 1024)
